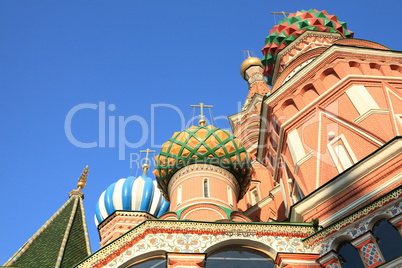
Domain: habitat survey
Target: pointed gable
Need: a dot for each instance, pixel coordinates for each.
(61, 242)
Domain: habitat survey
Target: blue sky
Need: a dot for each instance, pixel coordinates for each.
(145, 62)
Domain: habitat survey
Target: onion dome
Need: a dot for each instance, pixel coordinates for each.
(131, 194)
(206, 145)
(293, 26)
(250, 61)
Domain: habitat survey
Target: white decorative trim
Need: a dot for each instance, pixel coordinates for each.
(362, 200)
(302, 160)
(295, 145)
(280, 91)
(370, 112)
(355, 224)
(265, 201)
(347, 178)
(354, 128)
(361, 99)
(198, 237)
(357, 241)
(331, 255)
(395, 117)
(336, 157)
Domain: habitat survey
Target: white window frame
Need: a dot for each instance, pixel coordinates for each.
(335, 156)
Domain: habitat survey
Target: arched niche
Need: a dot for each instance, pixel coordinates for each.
(329, 77)
(396, 69)
(309, 93)
(289, 108)
(375, 69)
(354, 68)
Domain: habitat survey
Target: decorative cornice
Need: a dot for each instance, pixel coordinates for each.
(343, 181)
(124, 213)
(118, 246)
(389, 197)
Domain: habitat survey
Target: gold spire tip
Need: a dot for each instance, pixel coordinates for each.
(82, 180)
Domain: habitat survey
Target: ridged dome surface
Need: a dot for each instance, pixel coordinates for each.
(202, 144)
(131, 194)
(293, 26)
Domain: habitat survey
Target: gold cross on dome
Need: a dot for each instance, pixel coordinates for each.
(248, 53)
(145, 166)
(202, 121)
(282, 13)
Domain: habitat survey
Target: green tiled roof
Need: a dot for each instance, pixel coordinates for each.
(61, 242)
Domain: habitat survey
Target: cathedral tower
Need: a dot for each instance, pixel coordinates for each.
(127, 203)
(204, 171)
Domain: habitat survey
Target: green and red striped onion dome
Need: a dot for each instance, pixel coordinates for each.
(203, 145)
(293, 26)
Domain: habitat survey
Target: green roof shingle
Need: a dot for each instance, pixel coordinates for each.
(61, 242)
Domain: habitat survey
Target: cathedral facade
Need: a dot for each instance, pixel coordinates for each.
(310, 177)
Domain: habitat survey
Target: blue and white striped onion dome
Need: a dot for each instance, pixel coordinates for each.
(131, 194)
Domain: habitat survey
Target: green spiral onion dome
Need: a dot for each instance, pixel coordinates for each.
(203, 145)
(293, 26)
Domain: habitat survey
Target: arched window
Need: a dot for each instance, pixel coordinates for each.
(206, 188)
(238, 257)
(230, 198)
(388, 239)
(179, 195)
(349, 256)
(254, 197)
(158, 262)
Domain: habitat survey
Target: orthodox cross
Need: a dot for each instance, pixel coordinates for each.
(145, 166)
(248, 53)
(202, 121)
(282, 12)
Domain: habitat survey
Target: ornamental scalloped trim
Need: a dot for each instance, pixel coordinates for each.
(292, 27)
(202, 145)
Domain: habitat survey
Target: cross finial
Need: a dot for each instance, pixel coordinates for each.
(145, 166)
(248, 53)
(202, 121)
(282, 13)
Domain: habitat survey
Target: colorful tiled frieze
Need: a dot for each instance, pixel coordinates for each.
(198, 237)
(358, 222)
